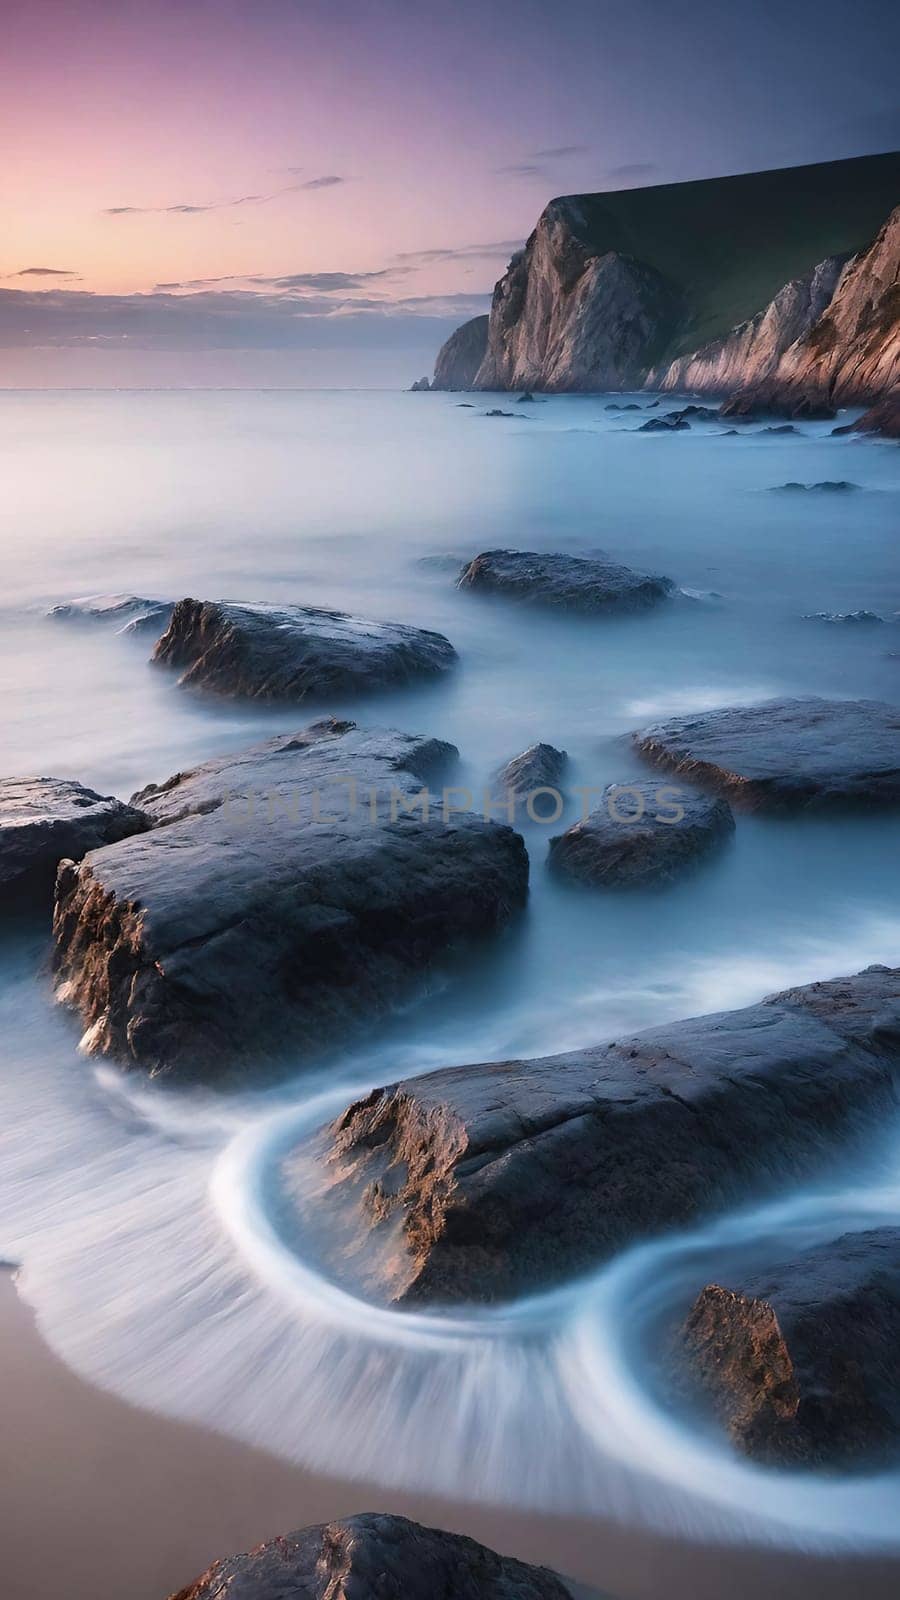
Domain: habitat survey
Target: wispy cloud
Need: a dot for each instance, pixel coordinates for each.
(191, 210)
(466, 252)
(43, 272)
(558, 152)
(289, 283)
(534, 162)
(633, 169)
(522, 169)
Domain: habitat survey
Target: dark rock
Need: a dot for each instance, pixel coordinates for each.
(525, 399)
(419, 386)
(287, 895)
(882, 418)
(698, 413)
(800, 1360)
(784, 427)
(127, 613)
(642, 832)
(541, 766)
(632, 407)
(851, 617)
(268, 652)
(827, 486)
(460, 357)
(753, 405)
(373, 1557)
(672, 424)
(47, 820)
(496, 412)
(483, 1182)
(464, 405)
(592, 585)
(785, 755)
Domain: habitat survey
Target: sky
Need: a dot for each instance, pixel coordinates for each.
(315, 192)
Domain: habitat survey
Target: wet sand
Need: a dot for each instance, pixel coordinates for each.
(99, 1500)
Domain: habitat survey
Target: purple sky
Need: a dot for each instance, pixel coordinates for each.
(301, 192)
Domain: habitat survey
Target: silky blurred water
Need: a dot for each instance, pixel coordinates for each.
(137, 1212)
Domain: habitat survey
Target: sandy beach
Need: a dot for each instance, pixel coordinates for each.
(99, 1500)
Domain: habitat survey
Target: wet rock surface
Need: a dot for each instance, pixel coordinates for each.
(374, 1557)
(800, 1360)
(126, 613)
(478, 1183)
(47, 820)
(268, 652)
(642, 833)
(596, 586)
(541, 766)
(287, 895)
(785, 755)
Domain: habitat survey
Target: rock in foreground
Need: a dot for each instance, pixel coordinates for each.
(479, 1183)
(641, 833)
(373, 1557)
(786, 755)
(800, 1361)
(46, 820)
(575, 583)
(267, 652)
(541, 766)
(288, 895)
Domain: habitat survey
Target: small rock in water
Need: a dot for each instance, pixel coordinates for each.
(784, 427)
(525, 399)
(269, 652)
(127, 613)
(644, 832)
(851, 617)
(799, 1360)
(496, 412)
(596, 586)
(675, 424)
(419, 386)
(540, 767)
(44, 821)
(827, 486)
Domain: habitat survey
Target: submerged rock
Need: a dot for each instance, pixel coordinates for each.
(269, 652)
(665, 425)
(784, 427)
(597, 585)
(483, 1182)
(785, 755)
(373, 1557)
(647, 831)
(288, 895)
(127, 613)
(851, 618)
(800, 1360)
(46, 820)
(496, 412)
(827, 486)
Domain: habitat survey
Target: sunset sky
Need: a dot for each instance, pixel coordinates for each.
(295, 191)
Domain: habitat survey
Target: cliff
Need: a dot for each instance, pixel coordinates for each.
(459, 359)
(708, 284)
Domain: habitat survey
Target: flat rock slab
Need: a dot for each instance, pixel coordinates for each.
(268, 652)
(371, 1556)
(46, 820)
(800, 1361)
(641, 833)
(479, 1183)
(785, 755)
(288, 895)
(597, 586)
(126, 613)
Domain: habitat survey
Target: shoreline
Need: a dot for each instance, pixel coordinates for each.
(99, 1498)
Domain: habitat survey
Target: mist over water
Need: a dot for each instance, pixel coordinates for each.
(146, 1220)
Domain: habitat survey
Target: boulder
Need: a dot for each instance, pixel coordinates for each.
(665, 425)
(541, 766)
(373, 1557)
(287, 895)
(598, 586)
(643, 832)
(882, 418)
(478, 1183)
(127, 613)
(785, 755)
(269, 652)
(800, 1360)
(45, 820)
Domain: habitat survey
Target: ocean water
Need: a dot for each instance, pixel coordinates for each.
(139, 1214)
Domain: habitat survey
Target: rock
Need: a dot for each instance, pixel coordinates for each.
(597, 586)
(785, 427)
(525, 399)
(461, 356)
(127, 613)
(419, 386)
(464, 405)
(269, 652)
(644, 832)
(288, 895)
(46, 820)
(373, 1557)
(698, 413)
(882, 418)
(800, 1360)
(785, 755)
(496, 412)
(539, 767)
(479, 1183)
(664, 425)
(827, 486)
(850, 617)
(632, 407)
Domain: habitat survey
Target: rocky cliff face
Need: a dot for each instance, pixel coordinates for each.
(567, 316)
(753, 350)
(852, 352)
(459, 359)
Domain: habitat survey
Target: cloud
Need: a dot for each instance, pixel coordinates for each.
(289, 283)
(44, 272)
(189, 210)
(633, 169)
(558, 152)
(522, 169)
(502, 250)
